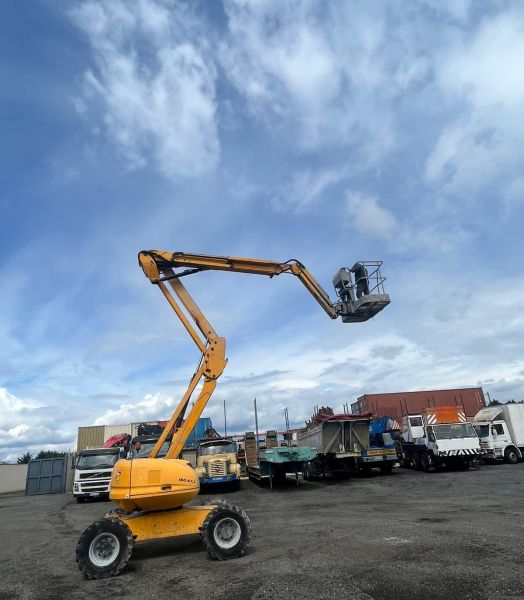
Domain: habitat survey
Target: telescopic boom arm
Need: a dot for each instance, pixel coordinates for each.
(360, 291)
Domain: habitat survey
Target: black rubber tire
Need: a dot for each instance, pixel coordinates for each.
(386, 468)
(415, 460)
(510, 456)
(306, 475)
(110, 525)
(425, 461)
(220, 512)
(80, 499)
(236, 485)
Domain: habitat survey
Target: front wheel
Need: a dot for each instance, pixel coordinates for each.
(104, 548)
(226, 532)
(80, 499)
(510, 456)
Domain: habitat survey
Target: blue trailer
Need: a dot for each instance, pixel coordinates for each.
(383, 448)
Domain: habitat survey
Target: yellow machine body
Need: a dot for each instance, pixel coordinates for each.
(186, 520)
(153, 484)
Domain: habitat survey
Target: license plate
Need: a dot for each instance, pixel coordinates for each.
(95, 494)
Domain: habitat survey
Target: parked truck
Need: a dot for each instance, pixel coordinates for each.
(439, 436)
(217, 460)
(338, 441)
(382, 450)
(93, 469)
(501, 432)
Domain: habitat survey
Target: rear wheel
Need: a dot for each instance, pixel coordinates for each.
(510, 456)
(104, 548)
(226, 532)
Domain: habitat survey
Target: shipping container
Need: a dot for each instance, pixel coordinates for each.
(198, 432)
(91, 436)
(397, 404)
(111, 430)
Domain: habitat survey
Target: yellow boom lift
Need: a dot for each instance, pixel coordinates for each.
(151, 493)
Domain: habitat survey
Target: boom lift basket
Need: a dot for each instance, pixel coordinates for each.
(361, 291)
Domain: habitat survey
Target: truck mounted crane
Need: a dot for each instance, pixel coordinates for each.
(151, 493)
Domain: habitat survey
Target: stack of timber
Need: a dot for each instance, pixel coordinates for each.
(271, 439)
(251, 449)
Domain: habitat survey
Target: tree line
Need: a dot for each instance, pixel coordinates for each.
(25, 458)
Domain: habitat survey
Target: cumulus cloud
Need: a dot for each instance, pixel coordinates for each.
(28, 425)
(154, 83)
(369, 218)
(152, 407)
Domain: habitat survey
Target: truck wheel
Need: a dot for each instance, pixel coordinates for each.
(104, 548)
(226, 532)
(80, 499)
(386, 468)
(415, 459)
(306, 474)
(425, 461)
(510, 456)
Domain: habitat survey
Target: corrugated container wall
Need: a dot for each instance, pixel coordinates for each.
(93, 435)
(198, 432)
(400, 403)
(111, 430)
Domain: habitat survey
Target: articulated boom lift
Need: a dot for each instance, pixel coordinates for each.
(151, 492)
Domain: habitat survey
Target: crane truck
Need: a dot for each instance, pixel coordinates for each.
(439, 436)
(151, 493)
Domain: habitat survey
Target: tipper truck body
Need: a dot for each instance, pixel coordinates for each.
(501, 432)
(439, 436)
(338, 441)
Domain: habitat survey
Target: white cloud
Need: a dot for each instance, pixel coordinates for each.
(306, 187)
(152, 407)
(368, 217)
(155, 84)
(482, 74)
(28, 425)
(324, 72)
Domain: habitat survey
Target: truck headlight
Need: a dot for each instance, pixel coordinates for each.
(75, 487)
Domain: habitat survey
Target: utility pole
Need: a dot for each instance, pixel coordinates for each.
(256, 423)
(225, 419)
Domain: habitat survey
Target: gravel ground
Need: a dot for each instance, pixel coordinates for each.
(410, 535)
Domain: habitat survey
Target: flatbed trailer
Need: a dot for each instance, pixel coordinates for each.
(275, 463)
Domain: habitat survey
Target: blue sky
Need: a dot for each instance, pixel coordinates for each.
(326, 132)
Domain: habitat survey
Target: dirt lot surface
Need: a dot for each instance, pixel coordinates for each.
(452, 535)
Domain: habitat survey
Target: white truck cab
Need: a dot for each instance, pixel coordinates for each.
(501, 432)
(439, 436)
(93, 469)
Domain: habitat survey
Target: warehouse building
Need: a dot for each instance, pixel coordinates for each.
(398, 404)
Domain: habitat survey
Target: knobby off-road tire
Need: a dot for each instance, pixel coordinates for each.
(104, 548)
(226, 532)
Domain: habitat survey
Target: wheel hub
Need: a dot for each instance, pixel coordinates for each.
(227, 532)
(104, 549)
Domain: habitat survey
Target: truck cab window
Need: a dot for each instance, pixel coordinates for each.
(497, 429)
